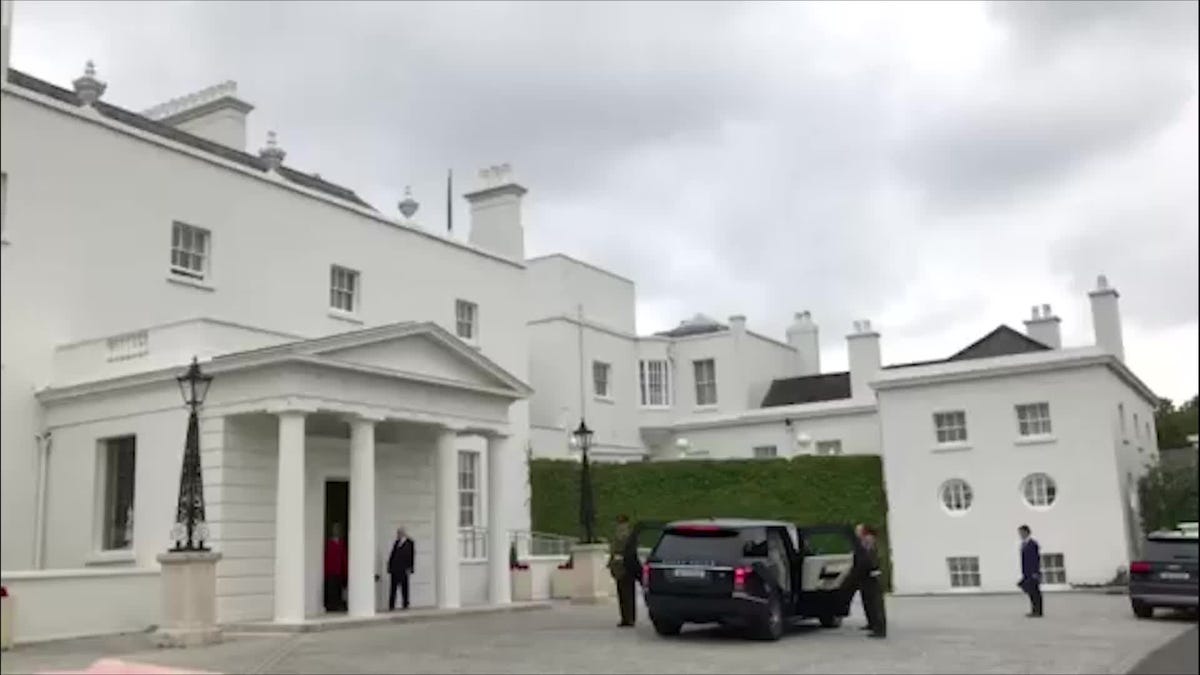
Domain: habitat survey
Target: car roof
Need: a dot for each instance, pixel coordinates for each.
(731, 523)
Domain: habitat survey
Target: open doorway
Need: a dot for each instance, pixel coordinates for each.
(336, 555)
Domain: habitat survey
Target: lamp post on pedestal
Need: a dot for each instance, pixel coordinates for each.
(587, 506)
(591, 581)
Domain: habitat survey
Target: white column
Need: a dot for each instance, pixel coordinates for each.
(499, 579)
(447, 519)
(289, 520)
(361, 584)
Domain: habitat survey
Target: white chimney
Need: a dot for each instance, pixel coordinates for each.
(496, 214)
(737, 324)
(803, 336)
(865, 361)
(1044, 327)
(215, 113)
(1106, 318)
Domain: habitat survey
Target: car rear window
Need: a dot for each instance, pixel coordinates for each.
(1187, 550)
(724, 546)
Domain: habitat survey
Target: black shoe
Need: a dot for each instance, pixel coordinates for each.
(1033, 615)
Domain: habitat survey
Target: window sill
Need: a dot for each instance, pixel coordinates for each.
(344, 316)
(1035, 440)
(655, 407)
(708, 407)
(951, 447)
(190, 283)
(604, 399)
(123, 556)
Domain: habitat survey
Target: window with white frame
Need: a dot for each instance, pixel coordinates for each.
(951, 426)
(189, 250)
(829, 448)
(1033, 419)
(1121, 415)
(706, 381)
(1054, 569)
(118, 460)
(600, 379)
(654, 379)
(765, 452)
(1039, 490)
(957, 495)
(964, 571)
(1137, 428)
(466, 319)
(343, 289)
(468, 488)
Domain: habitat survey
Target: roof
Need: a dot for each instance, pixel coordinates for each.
(148, 125)
(1002, 341)
(697, 325)
(728, 522)
(807, 389)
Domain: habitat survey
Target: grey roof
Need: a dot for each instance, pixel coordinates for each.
(697, 325)
(148, 125)
(1002, 341)
(808, 389)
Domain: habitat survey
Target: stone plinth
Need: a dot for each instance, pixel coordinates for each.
(189, 597)
(592, 581)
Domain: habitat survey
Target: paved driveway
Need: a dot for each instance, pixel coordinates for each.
(1081, 633)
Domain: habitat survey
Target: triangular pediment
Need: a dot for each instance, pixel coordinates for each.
(419, 354)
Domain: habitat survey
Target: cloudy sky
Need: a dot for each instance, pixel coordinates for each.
(936, 168)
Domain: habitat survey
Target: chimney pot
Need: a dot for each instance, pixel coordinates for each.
(88, 88)
(272, 153)
(1046, 313)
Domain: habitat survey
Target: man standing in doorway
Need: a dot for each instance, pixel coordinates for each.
(1031, 571)
(336, 566)
(620, 572)
(400, 565)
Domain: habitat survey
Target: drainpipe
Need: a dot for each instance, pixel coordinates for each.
(45, 442)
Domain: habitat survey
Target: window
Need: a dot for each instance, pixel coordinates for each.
(1033, 419)
(654, 377)
(466, 320)
(1137, 428)
(343, 289)
(706, 381)
(957, 495)
(468, 488)
(829, 447)
(765, 452)
(600, 377)
(951, 426)
(1054, 570)
(3, 202)
(1039, 490)
(1121, 414)
(117, 477)
(964, 571)
(189, 250)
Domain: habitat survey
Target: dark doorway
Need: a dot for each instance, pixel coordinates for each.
(337, 512)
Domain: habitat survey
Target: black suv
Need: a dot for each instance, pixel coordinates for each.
(755, 574)
(1166, 576)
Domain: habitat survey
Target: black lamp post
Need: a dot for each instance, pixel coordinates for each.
(587, 506)
(190, 530)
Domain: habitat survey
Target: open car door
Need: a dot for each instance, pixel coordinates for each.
(826, 559)
(642, 537)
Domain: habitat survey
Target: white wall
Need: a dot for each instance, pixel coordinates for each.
(558, 285)
(858, 433)
(1085, 524)
(60, 604)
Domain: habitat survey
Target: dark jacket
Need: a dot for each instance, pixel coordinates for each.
(401, 559)
(1031, 560)
(864, 567)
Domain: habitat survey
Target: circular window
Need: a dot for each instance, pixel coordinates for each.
(956, 495)
(1039, 490)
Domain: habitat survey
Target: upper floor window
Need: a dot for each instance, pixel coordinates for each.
(466, 320)
(3, 202)
(1033, 419)
(765, 452)
(654, 379)
(343, 289)
(1039, 490)
(189, 250)
(706, 381)
(1121, 415)
(829, 447)
(951, 427)
(600, 379)
(1137, 428)
(964, 571)
(118, 460)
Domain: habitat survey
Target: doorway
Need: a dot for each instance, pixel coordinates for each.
(337, 512)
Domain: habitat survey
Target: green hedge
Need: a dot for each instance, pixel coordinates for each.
(803, 490)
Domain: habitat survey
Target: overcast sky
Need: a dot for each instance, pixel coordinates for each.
(936, 168)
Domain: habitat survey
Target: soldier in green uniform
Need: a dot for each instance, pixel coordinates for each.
(621, 574)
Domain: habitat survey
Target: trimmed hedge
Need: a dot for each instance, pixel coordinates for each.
(803, 490)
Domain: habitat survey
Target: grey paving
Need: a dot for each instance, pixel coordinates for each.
(1180, 656)
(1082, 633)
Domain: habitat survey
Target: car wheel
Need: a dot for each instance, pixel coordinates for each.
(771, 626)
(666, 627)
(1141, 610)
(831, 621)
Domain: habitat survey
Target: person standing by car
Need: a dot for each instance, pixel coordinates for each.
(400, 565)
(1031, 571)
(620, 572)
(865, 578)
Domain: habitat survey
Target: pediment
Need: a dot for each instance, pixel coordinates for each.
(424, 354)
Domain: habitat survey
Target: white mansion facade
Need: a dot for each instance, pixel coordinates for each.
(374, 374)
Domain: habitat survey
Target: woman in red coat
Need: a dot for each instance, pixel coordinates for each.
(336, 566)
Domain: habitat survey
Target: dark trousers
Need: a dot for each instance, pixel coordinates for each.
(1034, 590)
(872, 599)
(333, 594)
(400, 580)
(626, 599)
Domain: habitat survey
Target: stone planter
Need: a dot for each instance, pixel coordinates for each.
(591, 580)
(522, 585)
(562, 583)
(6, 622)
(189, 597)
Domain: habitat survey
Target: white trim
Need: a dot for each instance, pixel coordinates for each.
(951, 447)
(341, 315)
(77, 573)
(579, 262)
(1041, 439)
(190, 282)
(774, 414)
(116, 557)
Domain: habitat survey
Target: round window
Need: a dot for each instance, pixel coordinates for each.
(1039, 490)
(956, 495)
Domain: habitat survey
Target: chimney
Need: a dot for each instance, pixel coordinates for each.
(1106, 318)
(1044, 327)
(496, 214)
(271, 153)
(737, 324)
(5, 36)
(215, 113)
(802, 335)
(865, 362)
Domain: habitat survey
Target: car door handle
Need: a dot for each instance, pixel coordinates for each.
(826, 574)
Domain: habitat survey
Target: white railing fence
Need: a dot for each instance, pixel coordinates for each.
(473, 543)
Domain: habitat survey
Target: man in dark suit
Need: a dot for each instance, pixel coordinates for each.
(865, 578)
(1031, 571)
(400, 565)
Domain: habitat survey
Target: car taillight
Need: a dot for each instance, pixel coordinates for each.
(1139, 567)
(646, 575)
(739, 578)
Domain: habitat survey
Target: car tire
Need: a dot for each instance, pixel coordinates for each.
(771, 626)
(831, 621)
(666, 627)
(1141, 610)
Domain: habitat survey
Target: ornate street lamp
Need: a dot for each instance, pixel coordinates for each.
(190, 529)
(587, 507)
